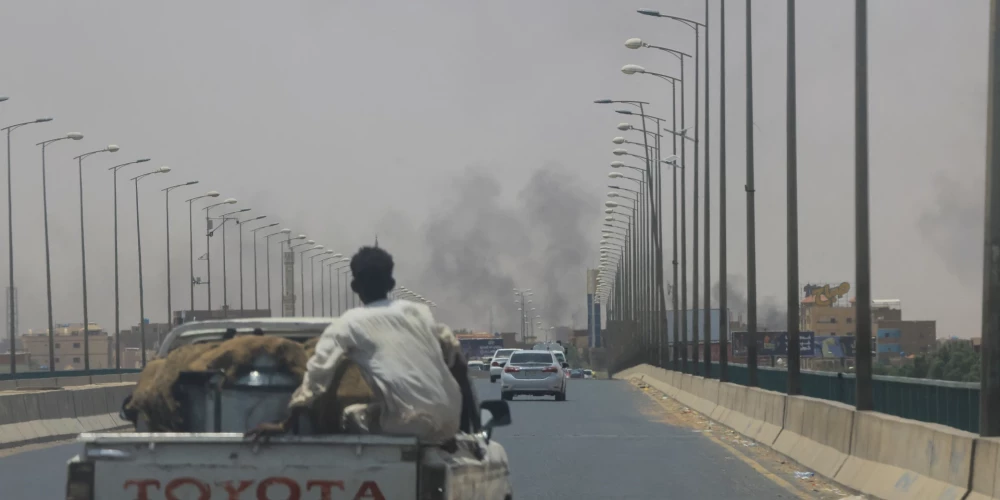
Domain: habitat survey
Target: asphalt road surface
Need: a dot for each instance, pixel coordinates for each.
(604, 442)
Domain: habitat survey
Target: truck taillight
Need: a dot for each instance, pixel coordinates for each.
(550, 369)
(80, 483)
(511, 369)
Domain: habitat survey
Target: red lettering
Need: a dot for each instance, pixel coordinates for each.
(369, 490)
(325, 487)
(141, 486)
(234, 491)
(204, 491)
(294, 492)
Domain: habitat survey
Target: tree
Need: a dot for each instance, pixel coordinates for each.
(954, 361)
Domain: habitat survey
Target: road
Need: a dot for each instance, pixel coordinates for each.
(606, 441)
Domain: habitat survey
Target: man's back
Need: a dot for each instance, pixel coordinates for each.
(398, 346)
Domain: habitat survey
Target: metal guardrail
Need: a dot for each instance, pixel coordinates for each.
(955, 404)
(65, 373)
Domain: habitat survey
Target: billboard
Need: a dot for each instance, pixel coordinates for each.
(715, 315)
(774, 344)
(834, 346)
(481, 347)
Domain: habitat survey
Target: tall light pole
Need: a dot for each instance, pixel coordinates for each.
(76, 136)
(723, 258)
(225, 281)
(11, 302)
(190, 202)
(302, 275)
(792, 218)
(83, 257)
(138, 237)
(989, 390)
(862, 245)
(336, 267)
(256, 289)
(114, 177)
(289, 279)
(239, 225)
(751, 218)
(208, 246)
(166, 195)
(312, 279)
(267, 255)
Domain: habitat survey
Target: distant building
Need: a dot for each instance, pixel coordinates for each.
(69, 347)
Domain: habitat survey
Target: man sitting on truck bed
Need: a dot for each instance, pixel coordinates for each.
(404, 355)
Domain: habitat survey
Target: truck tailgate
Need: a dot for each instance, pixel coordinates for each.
(226, 467)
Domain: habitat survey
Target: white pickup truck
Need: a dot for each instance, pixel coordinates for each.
(222, 464)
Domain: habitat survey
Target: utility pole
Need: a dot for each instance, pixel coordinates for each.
(792, 285)
(723, 284)
(862, 246)
(989, 393)
(751, 219)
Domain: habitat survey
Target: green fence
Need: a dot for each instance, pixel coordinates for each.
(955, 404)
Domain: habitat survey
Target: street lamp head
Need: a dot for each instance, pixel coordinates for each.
(609, 218)
(243, 210)
(3, 98)
(258, 218)
(624, 126)
(212, 194)
(649, 12)
(162, 170)
(615, 175)
(229, 201)
(285, 231)
(608, 211)
(618, 140)
(671, 159)
(603, 101)
(612, 194)
(619, 152)
(337, 254)
(311, 242)
(188, 183)
(611, 204)
(634, 43)
(318, 247)
(631, 69)
(141, 160)
(617, 164)
(76, 136)
(43, 120)
(111, 149)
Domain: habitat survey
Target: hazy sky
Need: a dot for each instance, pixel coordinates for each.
(450, 124)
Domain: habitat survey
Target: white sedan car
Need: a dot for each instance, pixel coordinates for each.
(533, 373)
(498, 362)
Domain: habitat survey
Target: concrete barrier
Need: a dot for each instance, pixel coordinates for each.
(880, 455)
(986, 470)
(28, 417)
(893, 457)
(816, 433)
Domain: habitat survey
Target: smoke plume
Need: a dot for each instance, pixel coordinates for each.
(952, 226)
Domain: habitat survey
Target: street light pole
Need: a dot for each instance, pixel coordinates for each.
(792, 285)
(12, 305)
(989, 391)
(256, 287)
(225, 287)
(862, 245)
(723, 279)
(240, 225)
(267, 245)
(83, 255)
(48, 268)
(138, 237)
(751, 340)
(302, 275)
(190, 202)
(166, 196)
(208, 246)
(114, 175)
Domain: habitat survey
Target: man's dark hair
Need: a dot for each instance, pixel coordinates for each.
(372, 270)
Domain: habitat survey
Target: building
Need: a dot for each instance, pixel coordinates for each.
(68, 347)
(824, 310)
(896, 337)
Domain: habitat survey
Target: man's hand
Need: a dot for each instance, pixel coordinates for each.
(265, 431)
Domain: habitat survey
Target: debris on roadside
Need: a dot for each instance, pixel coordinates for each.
(804, 475)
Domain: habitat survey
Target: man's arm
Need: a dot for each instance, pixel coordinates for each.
(451, 348)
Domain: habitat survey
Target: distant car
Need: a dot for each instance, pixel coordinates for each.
(533, 373)
(577, 373)
(499, 360)
(588, 373)
(476, 365)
